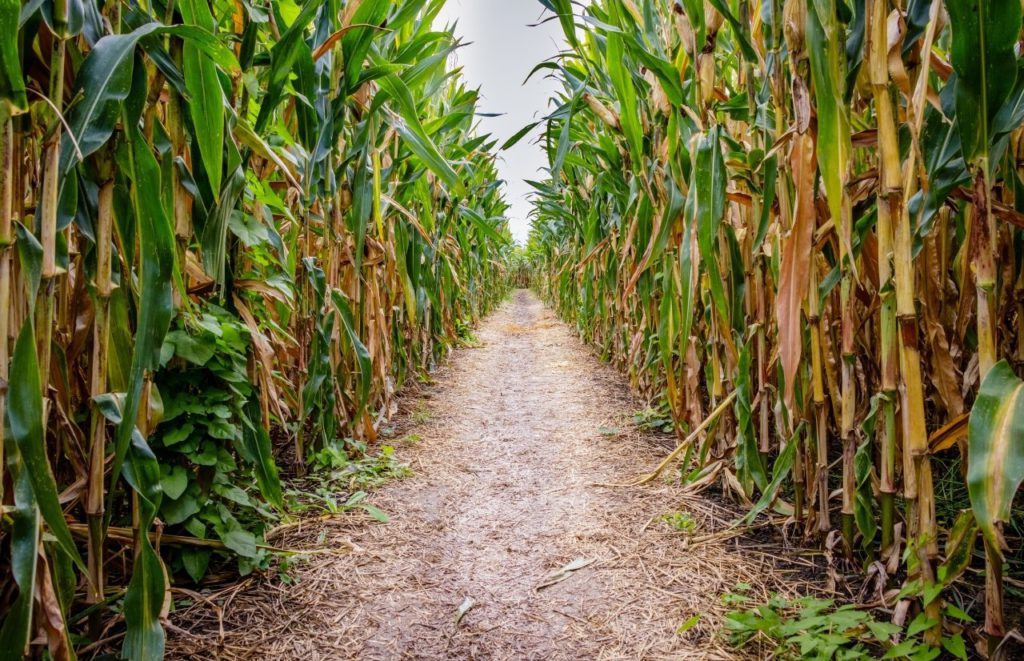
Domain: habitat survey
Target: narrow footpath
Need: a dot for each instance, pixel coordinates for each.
(512, 438)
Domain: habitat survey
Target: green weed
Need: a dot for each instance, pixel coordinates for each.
(351, 466)
(681, 521)
(815, 628)
(343, 472)
(421, 414)
(657, 418)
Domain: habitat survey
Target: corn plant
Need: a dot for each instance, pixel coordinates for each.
(230, 231)
(809, 210)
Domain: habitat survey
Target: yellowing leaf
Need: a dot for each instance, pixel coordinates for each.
(995, 450)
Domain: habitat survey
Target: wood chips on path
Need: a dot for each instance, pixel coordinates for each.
(500, 546)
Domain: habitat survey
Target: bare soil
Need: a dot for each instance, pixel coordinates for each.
(516, 434)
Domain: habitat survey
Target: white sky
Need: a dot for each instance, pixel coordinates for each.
(502, 53)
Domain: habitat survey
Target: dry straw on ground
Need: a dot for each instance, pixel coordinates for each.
(503, 495)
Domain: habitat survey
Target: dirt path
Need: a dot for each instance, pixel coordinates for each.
(502, 496)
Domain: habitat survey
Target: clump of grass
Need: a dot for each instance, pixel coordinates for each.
(421, 413)
(680, 521)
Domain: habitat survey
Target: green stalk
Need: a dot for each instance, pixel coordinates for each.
(6, 245)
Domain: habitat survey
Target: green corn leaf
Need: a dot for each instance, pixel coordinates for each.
(984, 34)
(362, 353)
(30, 258)
(24, 535)
(995, 454)
(25, 416)
(663, 69)
(667, 316)
(427, 67)
(563, 10)
(206, 107)
(408, 258)
(780, 471)
(412, 132)
(518, 135)
(563, 136)
(215, 233)
(282, 61)
(426, 151)
(256, 442)
(689, 269)
(771, 170)
(410, 10)
(156, 254)
(13, 100)
(625, 90)
(205, 40)
(104, 81)
(750, 469)
(828, 70)
(356, 43)
(738, 29)
(864, 500)
(484, 225)
(710, 180)
(144, 640)
(362, 204)
(64, 24)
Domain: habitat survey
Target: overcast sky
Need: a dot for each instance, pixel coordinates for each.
(503, 51)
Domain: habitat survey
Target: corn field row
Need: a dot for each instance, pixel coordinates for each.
(801, 222)
(231, 229)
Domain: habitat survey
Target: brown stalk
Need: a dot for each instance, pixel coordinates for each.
(48, 218)
(919, 489)
(889, 190)
(94, 505)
